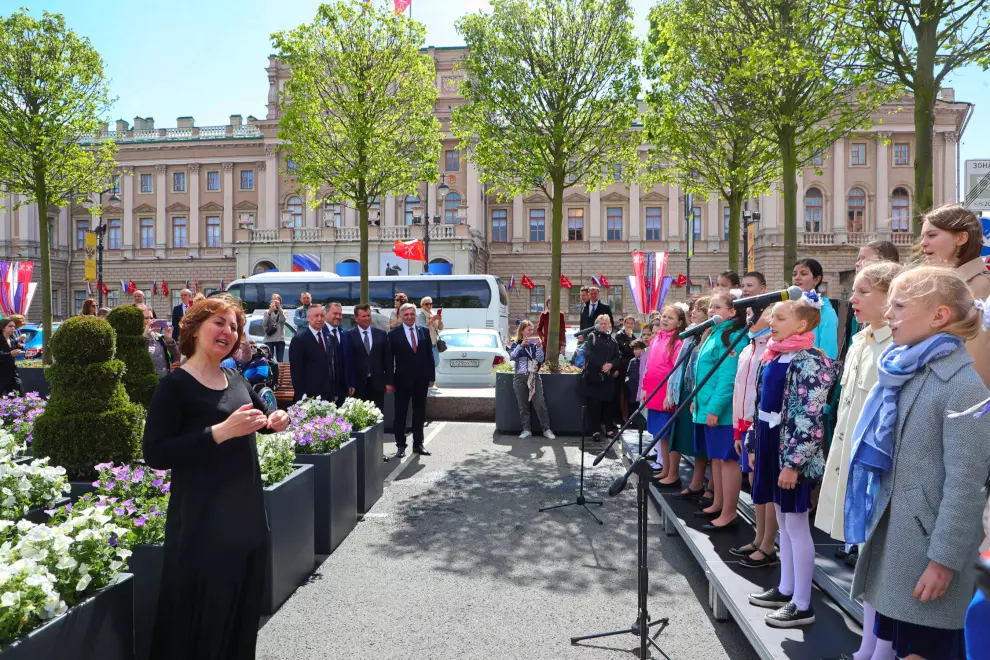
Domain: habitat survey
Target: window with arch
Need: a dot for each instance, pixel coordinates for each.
(263, 267)
(814, 205)
(450, 204)
(294, 206)
(856, 204)
(900, 210)
(407, 206)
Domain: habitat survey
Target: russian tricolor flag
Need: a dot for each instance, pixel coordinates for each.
(302, 263)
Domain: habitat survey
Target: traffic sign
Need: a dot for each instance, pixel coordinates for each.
(977, 185)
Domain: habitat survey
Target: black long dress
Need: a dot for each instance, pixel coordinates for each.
(10, 380)
(600, 349)
(215, 536)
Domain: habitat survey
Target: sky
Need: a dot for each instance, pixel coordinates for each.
(206, 58)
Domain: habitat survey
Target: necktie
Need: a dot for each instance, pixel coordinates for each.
(319, 338)
(412, 337)
(367, 342)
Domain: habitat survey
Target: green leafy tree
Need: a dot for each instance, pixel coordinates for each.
(551, 94)
(707, 136)
(358, 110)
(53, 98)
(917, 44)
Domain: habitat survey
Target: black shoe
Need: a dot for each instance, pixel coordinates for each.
(705, 502)
(743, 550)
(844, 656)
(712, 527)
(766, 562)
(840, 553)
(422, 451)
(852, 559)
(708, 516)
(400, 452)
(769, 598)
(789, 616)
(691, 495)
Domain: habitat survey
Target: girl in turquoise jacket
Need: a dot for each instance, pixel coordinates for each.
(808, 274)
(713, 410)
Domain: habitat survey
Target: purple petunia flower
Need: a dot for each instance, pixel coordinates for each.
(139, 522)
(119, 511)
(112, 541)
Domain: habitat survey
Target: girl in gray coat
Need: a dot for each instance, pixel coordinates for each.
(917, 474)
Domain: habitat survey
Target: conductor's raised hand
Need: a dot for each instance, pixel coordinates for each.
(246, 419)
(278, 421)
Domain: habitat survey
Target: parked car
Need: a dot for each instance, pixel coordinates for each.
(255, 331)
(572, 343)
(470, 358)
(32, 340)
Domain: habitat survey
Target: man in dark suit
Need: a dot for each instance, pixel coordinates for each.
(414, 375)
(368, 359)
(594, 308)
(335, 315)
(312, 359)
(179, 311)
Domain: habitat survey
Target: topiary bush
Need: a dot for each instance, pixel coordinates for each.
(88, 419)
(140, 379)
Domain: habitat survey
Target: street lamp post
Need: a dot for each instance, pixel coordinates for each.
(422, 213)
(100, 233)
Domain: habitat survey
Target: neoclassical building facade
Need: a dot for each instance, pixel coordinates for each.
(206, 204)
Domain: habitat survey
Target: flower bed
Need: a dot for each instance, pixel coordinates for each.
(18, 414)
(29, 486)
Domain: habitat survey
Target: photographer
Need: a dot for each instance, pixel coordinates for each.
(527, 353)
(274, 325)
(601, 359)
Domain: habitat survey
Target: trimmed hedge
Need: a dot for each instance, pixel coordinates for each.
(88, 419)
(140, 379)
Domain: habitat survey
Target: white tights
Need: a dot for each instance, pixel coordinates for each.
(797, 557)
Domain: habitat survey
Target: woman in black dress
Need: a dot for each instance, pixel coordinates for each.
(624, 338)
(201, 425)
(10, 380)
(601, 366)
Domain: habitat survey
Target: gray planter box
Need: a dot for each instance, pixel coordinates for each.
(80, 488)
(98, 628)
(289, 507)
(371, 468)
(33, 380)
(334, 501)
(146, 567)
(389, 412)
(39, 517)
(562, 393)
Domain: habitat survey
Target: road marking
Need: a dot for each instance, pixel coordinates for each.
(402, 464)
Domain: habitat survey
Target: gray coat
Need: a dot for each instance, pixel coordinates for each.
(276, 320)
(930, 504)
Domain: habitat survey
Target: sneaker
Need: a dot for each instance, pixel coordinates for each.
(526, 434)
(789, 616)
(548, 434)
(769, 598)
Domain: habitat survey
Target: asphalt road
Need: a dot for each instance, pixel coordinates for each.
(455, 561)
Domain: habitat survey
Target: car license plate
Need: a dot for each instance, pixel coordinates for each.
(464, 363)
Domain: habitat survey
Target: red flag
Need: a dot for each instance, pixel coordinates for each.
(164, 288)
(604, 281)
(131, 286)
(564, 282)
(681, 280)
(106, 289)
(401, 5)
(528, 283)
(196, 287)
(412, 250)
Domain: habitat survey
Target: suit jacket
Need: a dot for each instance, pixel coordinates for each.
(359, 364)
(312, 370)
(930, 503)
(587, 321)
(343, 357)
(412, 370)
(177, 315)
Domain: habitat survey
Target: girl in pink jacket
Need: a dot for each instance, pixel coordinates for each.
(660, 359)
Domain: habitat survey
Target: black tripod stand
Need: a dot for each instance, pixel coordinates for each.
(581, 500)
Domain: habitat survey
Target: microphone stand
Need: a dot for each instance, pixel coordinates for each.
(581, 499)
(641, 626)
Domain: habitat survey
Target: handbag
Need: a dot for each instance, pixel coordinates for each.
(441, 346)
(271, 331)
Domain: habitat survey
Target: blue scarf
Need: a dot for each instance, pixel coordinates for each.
(872, 453)
(759, 333)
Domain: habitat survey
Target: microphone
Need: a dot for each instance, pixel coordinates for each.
(764, 299)
(585, 331)
(698, 328)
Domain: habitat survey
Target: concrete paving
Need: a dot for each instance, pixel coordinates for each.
(455, 561)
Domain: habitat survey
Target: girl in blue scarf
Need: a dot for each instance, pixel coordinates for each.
(916, 477)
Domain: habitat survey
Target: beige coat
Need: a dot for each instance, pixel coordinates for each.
(978, 278)
(858, 378)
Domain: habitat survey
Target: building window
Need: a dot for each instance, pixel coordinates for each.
(213, 232)
(696, 222)
(617, 172)
(858, 153)
(332, 212)
(452, 160)
(450, 206)
(900, 206)
(574, 304)
(537, 226)
(654, 223)
(80, 297)
(575, 224)
(613, 223)
(411, 201)
(147, 233)
(813, 210)
(537, 299)
(615, 299)
(113, 234)
(726, 217)
(115, 184)
(817, 157)
(113, 299)
(294, 206)
(213, 181)
(176, 296)
(500, 225)
(857, 210)
(82, 228)
(178, 182)
(146, 183)
(247, 179)
(902, 153)
(180, 233)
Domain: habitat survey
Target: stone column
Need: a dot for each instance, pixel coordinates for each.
(518, 235)
(161, 220)
(309, 213)
(949, 169)
(127, 178)
(635, 222)
(882, 223)
(349, 217)
(193, 219)
(675, 213)
(261, 180)
(595, 220)
(474, 202)
(388, 217)
(838, 197)
(714, 233)
(227, 235)
(271, 188)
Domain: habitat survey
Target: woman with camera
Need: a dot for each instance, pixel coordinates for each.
(527, 354)
(162, 348)
(274, 325)
(601, 367)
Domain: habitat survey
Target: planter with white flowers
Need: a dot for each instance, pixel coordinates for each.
(368, 429)
(30, 490)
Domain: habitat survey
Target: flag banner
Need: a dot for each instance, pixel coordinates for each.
(401, 5)
(512, 282)
(711, 282)
(564, 282)
(16, 289)
(637, 292)
(89, 288)
(222, 285)
(164, 288)
(187, 284)
(751, 247)
(681, 280)
(649, 269)
(131, 286)
(302, 263)
(154, 288)
(89, 248)
(28, 297)
(664, 288)
(106, 289)
(528, 283)
(413, 250)
(196, 287)
(123, 286)
(604, 281)
(597, 281)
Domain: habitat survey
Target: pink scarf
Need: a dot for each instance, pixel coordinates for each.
(793, 343)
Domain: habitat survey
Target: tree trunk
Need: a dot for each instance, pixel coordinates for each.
(556, 239)
(925, 93)
(788, 156)
(363, 229)
(41, 189)
(735, 235)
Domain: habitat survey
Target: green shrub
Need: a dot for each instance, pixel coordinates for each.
(88, 419)
(140, 379)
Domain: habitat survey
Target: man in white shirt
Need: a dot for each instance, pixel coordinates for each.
(368, 364)
(311, 359)
(415, 373)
